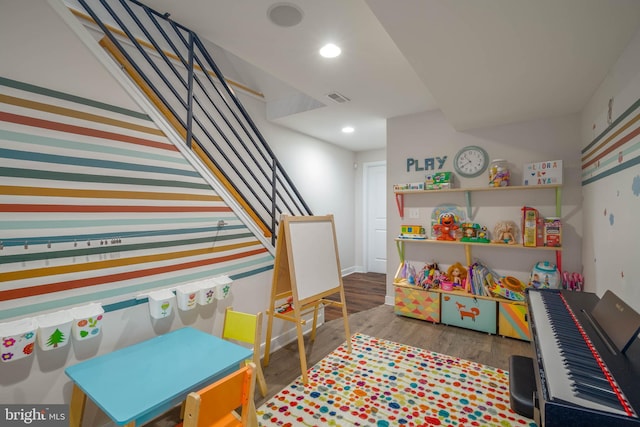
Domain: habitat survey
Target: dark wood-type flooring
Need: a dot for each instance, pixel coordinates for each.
(362, 291)
(379, 321)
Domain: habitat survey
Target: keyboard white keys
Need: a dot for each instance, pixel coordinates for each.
(559, 379)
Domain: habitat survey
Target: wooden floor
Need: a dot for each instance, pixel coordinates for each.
(362, 291)
(381, 322)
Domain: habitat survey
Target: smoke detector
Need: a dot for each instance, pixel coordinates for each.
(285, 14)
(338, 98)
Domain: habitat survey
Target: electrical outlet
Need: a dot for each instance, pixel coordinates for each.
(414, 213)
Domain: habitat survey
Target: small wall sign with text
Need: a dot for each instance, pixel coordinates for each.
(542, 173)
(426, 164)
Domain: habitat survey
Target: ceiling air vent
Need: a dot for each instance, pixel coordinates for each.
(338, 98)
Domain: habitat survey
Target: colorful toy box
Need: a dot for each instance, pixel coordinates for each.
(409, 186)
(418, 303)
(438, 181)
(552, 232)
(529, 226)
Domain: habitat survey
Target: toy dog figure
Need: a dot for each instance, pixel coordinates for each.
(446, 226)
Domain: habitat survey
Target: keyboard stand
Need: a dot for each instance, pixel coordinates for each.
(522, 385)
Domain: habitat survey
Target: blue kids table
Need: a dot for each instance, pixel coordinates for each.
(136, 384)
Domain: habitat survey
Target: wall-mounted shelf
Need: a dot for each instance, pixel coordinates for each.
(467, 192)
(400, 194)
(400, 246)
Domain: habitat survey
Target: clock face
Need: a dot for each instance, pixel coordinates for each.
(471, 161)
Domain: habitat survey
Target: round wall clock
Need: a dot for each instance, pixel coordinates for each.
(471, 161)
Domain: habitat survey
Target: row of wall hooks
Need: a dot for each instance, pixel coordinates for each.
(93, 239)
(49, 243)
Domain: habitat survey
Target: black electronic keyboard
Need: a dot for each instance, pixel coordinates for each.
(586, 359)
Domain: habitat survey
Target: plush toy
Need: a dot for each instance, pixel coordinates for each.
(446, 226)
(505, 232)
(457, 274)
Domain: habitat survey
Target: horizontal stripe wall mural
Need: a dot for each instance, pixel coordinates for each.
(615, 149)
(96, 204)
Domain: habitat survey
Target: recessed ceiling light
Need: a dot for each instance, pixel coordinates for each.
(330, 50)
(348, 129)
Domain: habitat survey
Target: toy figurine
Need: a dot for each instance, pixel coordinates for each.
(431, 276)
(472, 232)
(504, 232)
(433, 271)
(457, 274)
(446, 226)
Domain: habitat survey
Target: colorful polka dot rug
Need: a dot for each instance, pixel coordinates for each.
(383, 384)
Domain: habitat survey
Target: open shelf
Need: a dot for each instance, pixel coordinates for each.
(491, 244)
(467, 192)
(400, 194)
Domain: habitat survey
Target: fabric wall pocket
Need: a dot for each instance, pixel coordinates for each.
(160, 303)
(87, 321)
(17, 339)
(54, 329)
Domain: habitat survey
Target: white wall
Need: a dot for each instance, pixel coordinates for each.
(425, 135)
(612, 204)
(322, 172)
(37, 47)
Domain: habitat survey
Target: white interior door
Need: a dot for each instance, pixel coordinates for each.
(375, 216)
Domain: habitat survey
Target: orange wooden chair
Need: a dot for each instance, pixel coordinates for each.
(216, 404)
(246, 328)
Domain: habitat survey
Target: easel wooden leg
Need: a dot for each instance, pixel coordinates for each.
(303, 354)
(345, 317)
(267, 343)
(315, 322)
(76, 408)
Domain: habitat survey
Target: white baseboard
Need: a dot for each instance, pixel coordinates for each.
(290, 334)
(351, 270)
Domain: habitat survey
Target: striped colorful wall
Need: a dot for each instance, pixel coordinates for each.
(615, 149)
(96, 204)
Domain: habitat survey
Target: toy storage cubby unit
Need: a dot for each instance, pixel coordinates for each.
(492, 315)
(469, 311)
(496, 316)
(413, 301)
